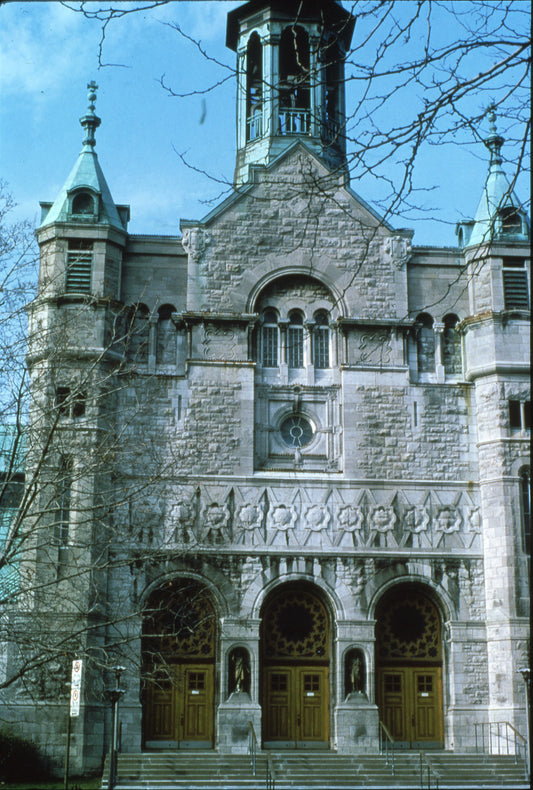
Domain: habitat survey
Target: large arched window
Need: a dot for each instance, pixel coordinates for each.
(269, 340)
(295, 340)
(525, 495)
(451, 346)
(254, 87)
(294, 89)
(166, 335)
(321, 341)
(137, 340)
(425, 344)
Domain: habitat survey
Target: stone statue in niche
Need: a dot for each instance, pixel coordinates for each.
(355, 675)
(239, 671)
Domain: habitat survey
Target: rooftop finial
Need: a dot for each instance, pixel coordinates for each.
(494, 141)
(90, 121)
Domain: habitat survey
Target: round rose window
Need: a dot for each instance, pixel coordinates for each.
(297, 431)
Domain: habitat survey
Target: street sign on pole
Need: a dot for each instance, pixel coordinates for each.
(75, 687)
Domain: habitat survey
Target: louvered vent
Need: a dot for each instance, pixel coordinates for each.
(515, 289)
(79, 267)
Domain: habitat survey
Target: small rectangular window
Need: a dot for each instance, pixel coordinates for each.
(79, 266)
(78, 404)
(520, 415)
(269, 335)
(295, 347)
(62, 396)
(515, 284)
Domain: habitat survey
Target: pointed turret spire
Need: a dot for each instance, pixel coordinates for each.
(90, 121)
(85, 196)
(499, 215)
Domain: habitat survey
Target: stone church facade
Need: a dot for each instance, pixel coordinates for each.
(316, 508)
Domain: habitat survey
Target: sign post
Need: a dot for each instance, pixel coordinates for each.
(74, 709)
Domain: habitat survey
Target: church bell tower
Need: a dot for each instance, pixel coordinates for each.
(290, 79)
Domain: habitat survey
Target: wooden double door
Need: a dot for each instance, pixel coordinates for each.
(410, 704)
(296, 707)
(180, 707)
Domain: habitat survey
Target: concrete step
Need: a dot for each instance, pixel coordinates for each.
(313, 771)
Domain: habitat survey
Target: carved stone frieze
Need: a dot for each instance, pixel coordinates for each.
(353, 519)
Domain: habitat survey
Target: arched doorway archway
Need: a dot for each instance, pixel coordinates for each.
(295, 664)
(409, 667)
(178, 654)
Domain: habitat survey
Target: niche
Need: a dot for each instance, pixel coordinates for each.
(354, 673)
(239, 671)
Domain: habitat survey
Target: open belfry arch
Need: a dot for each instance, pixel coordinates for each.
(317, 517)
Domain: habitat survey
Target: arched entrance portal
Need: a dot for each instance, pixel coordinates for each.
(295, 656)
(178, 648)
(409, 668)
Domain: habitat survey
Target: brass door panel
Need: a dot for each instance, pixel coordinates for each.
(295, 706)
(410, 704)
(180, 707)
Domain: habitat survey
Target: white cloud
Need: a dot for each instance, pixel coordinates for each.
(42, 47)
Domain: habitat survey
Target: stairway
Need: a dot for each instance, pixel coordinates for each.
(312, 771)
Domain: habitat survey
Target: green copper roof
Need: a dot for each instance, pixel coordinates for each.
(86, 175)
(497, 198)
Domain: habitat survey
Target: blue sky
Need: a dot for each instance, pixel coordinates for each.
(49, 53)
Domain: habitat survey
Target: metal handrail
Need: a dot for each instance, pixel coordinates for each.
(270, 774)
(514, 744)
(252, 747)
(428, 773)
(383, 731)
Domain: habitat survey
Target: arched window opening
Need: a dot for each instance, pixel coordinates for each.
(295, 341)
(178, 663)
(63, 496)
(451, 351)
(525, 493)
(269, 342)
(254, 88)
(83, 203)
(332, 64)
(294, 87)
(511, 220)
(166, 335)
(137, 340)
(321, 341)
(425, 344)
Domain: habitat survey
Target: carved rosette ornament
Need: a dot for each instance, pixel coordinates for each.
(182, 521)
(216, 519)
(317, 518)
(382, 518)
(448, 520)
(281, 521)
(250, 522)
(349, 523)
(416, 519)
